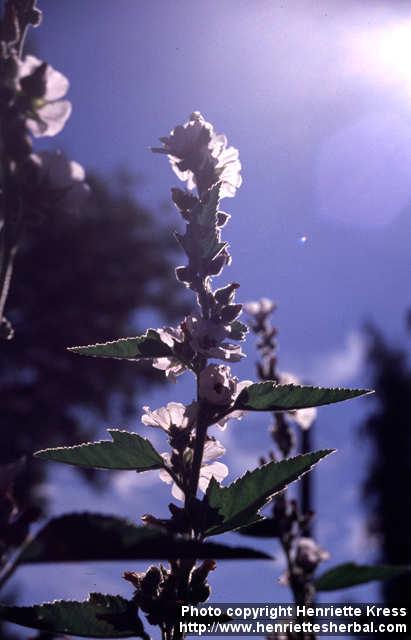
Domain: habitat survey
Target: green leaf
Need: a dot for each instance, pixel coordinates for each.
(148, 345)
(269, 396)
(351, 574)
(91, 537)
(101, 616)
(126, 451)
(264, 528)
(238, 504)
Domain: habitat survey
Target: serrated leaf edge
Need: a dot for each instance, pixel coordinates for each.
(114, 342)
(213, 482)
(96, 442)
(275, 385)
(43, 605)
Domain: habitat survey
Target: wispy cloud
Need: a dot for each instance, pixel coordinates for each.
(340, 366)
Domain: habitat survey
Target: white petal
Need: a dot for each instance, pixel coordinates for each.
(161, 363)
(228, 156)
(217, 470)
(213, 449)
(165, 476)
(177, 493)
(166, 457)
(222, 424)
(36, 128)
(28, 65)
(57, 84)
(243, 384)
(176, 412)
(262, 307)
(305, 417)
(288, 378)
(53, 116)
(77, 171)
(155, 418)
(267, 305)
(166, 337)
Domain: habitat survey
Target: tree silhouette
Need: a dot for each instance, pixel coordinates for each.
(80, 278)
(387, 483)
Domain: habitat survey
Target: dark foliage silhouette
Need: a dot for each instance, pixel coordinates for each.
(79, 277)
(389, 429)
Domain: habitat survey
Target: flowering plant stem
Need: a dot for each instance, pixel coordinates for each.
(212, 332)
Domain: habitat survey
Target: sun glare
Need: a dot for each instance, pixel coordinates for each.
(382, 51)
(394, 49)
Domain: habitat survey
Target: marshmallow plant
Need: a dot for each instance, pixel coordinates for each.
(205, 345)
(290, 517)
(32, 104)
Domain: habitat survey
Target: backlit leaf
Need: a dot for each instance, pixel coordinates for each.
(351, 574)
(101, 616)
(269, 396)
(238, 504)
(148, 345)
(126, 451)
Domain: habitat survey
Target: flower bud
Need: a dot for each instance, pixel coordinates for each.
(225, 295)
(222, 218)
(309, 554)
(200, 573)
(35, 17)
(217, 386)
(151, 580)
(185, 274)
(184, 200)
(230, 312)
(134, 578)
(215, 267)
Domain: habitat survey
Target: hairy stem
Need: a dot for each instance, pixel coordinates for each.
(11, 566)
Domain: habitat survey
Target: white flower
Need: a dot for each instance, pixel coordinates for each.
(260, 309)
(165, 477)
(173, 414)
(63, 180)
(189, 144)
(196, 152)
(207, 337)
(171, 335)
(303, 417)
(217, 386)
(309, 554)
(239, 413)
(228, 170)
(213, 449)
(171, 365)
(48, 113)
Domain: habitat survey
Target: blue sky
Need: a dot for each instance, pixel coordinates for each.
(317, 97)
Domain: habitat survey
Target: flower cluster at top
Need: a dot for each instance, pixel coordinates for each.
(200, 157)
(32, 103)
